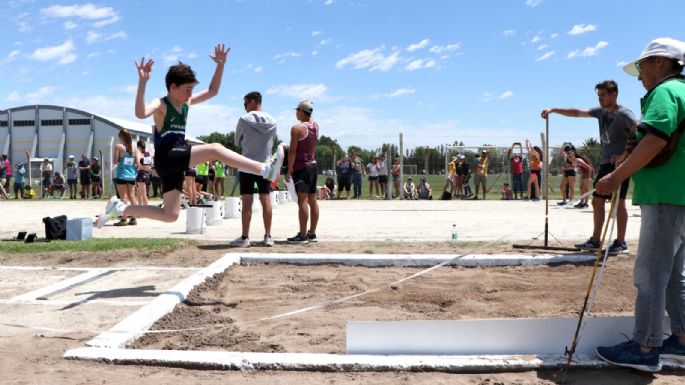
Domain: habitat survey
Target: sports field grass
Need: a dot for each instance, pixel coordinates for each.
(92, 245)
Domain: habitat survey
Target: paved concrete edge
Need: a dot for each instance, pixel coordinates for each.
(376, 260)
(134, 325)
(333, 362)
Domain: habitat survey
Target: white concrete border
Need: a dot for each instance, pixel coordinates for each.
(414, 259)
(140, 321)
(334, 362)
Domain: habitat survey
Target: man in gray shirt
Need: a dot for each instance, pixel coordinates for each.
(255, 134)
(616, 123)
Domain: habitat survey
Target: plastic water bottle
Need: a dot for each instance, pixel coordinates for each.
(453, 236)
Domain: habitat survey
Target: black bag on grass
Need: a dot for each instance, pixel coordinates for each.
(55, 227)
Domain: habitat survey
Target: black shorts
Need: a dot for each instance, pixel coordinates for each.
(382, 179)
(71, 182)
(569, 173)
(190, 172)
(85, 179)
(95, 178)
(143, 177)
(305, 180)
(344, 183)
(170, 163)
(372, 178)
(121, 181)
(604, 169)
(247, 182)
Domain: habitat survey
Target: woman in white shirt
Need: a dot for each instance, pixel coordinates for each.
(373, 167)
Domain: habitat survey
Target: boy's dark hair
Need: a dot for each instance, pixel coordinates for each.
(609, 86)
(180, 74)
(254, 96)
(539, 151)
(140, 144)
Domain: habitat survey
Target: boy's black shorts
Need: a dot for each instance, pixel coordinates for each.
(170, 164)
(305, 180)
(247, 182)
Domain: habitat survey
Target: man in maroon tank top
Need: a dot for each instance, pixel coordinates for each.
(302, 169)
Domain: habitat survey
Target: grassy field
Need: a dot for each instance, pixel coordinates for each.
(92, 245)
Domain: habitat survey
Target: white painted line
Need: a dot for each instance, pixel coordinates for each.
(332, 362)
(376, 260)
(61, 286)
(133, 326)
(487, 336)
(79, 302)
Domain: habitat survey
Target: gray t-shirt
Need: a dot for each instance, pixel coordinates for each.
(614, 130)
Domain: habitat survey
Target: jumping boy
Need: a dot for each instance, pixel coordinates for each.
(172, 155)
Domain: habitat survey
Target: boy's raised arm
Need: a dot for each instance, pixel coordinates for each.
(219, 57)
(144, 70)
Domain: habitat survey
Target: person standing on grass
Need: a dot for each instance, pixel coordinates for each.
(480, 173)
(517, 170)
(71, 177)
(344, 176)
(96, 177)
(373, 169)
(127, 160)
(84, 175)
(395, 172)
(254, 134)
(616, 123)
(302, 170)
(660, 263)
(172, 155)
(219, 178)
(19, 181)
(358, 171)
(8, 171)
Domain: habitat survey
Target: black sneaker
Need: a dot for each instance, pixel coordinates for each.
(561, 203)
(617, 248)
(311, 237)
(588, 245)
(629, 355)
(298, 240)
(672, 349)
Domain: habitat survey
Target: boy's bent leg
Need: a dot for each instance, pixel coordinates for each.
(168, 213)
(655, 260)
(214, 151)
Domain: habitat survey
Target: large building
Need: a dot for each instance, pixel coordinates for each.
(37, 132)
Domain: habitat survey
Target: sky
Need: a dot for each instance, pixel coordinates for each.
(437, 71)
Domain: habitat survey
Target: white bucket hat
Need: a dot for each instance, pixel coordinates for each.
(664, 47)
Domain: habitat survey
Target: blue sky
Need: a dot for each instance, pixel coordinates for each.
(437, 71)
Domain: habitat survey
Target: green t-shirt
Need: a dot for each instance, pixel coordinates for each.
(663, 109)
(202, 169)
(219, 167)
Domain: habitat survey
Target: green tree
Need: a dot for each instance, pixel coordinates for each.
(592, 149)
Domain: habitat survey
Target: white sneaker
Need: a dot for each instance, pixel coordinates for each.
(113, 208)
(268, 241)
(273, 164)
(240, 242)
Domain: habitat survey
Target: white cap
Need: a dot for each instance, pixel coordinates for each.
(71, 157)
(306, 105)
(664, 47)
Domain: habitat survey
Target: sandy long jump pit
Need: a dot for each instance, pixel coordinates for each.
(294, 316)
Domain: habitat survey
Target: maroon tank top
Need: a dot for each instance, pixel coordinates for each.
(304, 156)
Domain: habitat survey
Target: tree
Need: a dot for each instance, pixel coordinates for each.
(592, 149)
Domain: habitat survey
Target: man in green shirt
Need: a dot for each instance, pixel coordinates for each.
(659, 190)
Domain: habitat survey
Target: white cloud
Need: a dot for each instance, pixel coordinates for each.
(439, 49)
(92, 37)
(12, 56)
(543, 46)
(69, 25)
(329, 2)
(258, 69)
(400, 92)
(536, 39)
(589, 51)
(316, 33)
(509, 32)
(545, 56)
(121, 35)
(40, 96)
(622, 63)
(580, 29)
(192, 55)
(315, 52)
(13, 97)
(92, 55)
(63, 54)
(420, 63)
(325, 42)
(101, 15)
(506, 95)
(282, 57)
(299, 91)
(24, 26)
(422, 44)
(554, 35)
(373, 59)
(533, 3)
